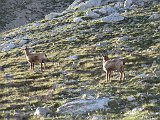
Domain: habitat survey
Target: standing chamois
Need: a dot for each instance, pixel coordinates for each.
(33, 58)
(110, 65)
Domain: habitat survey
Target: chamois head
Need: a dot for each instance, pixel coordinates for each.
(105, 56)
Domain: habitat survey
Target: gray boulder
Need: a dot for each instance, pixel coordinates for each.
(77, 19)
(91, 14)
(107, 10)
(81, 106)
(115, 17)
(42, 111)
(154, 16)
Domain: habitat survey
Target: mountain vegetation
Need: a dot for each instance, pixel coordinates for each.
(73, 85)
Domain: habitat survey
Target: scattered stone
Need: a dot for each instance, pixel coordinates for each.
(27, 108)
(127, 4)
(1, 68)
(115, 17)
(118, 5)
(79, 107)
(88, 4)
(71, 39)
(98, 117)
(36, 24)
(8, 76)
(142, 75)
(133, 111)
(77, 19)
(42, 111)
(53, 15)
(102, 44)
(154, 16)
(74, 57)
(22, 42)
(91, 14)
(107, 10)
(125, 38)
(87, 97)
(130, 98)
(109, 30)
(71, 82)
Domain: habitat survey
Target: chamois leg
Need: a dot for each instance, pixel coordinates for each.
(107, 76)
(110, 75)
(33, 66)
(121, 75)
(44, 66)
(41, 67)
(30, 64)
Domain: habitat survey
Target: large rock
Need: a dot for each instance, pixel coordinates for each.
(42, 111)
(80, 106)
(115, 17)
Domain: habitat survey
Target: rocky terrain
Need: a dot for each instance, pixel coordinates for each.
(73, 85)
(15, 13)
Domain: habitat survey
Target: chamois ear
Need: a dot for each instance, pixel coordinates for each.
(104, 53)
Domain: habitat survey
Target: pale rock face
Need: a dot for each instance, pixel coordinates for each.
(115, 17)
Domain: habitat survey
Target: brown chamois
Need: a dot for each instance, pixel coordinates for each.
(110, 65)
(33, 58)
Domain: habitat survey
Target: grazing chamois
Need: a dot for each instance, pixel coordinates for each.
(110, 65)
(33, 58)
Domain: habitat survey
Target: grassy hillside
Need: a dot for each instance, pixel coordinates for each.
(26, 90)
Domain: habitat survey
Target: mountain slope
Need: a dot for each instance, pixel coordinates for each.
(74, 64)
(15, 13)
